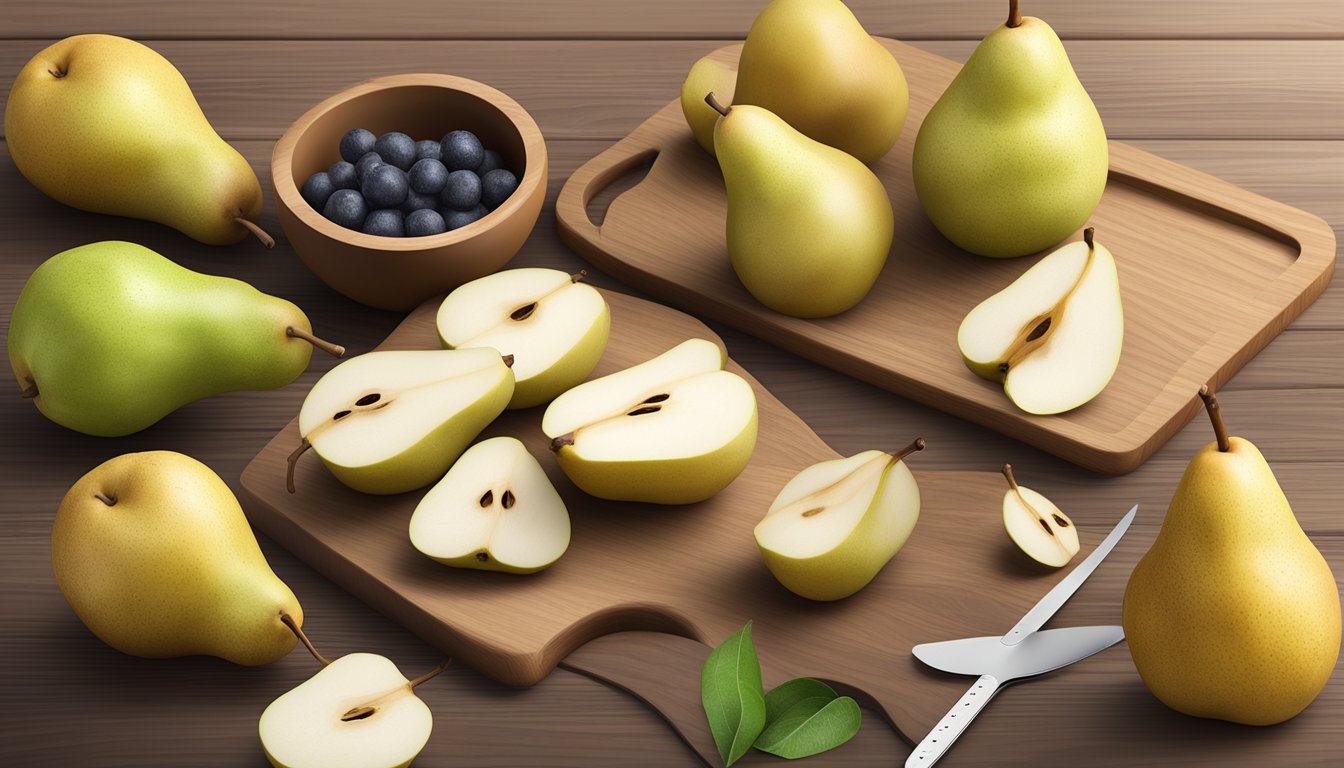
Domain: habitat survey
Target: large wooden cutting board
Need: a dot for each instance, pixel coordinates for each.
(692, 571)
(1209, 272)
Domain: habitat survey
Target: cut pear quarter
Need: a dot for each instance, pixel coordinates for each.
(1036, 525)
(359, 711)
(554, 326)
(835, 525)
(1053, 337)
(494, 510)
(676, 429)
(393, 421)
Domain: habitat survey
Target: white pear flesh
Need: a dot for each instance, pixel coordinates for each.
(495, 510)
(393, 421)
(676, 429)
(835, 525)
(555, 327)
(1039, 528)
(1075, 357)
(303, 728)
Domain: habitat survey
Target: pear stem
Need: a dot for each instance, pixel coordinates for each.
(110, 501)
(431, 674)
(508, 360)
(714, 102)
(1216, 416)
(265, 237)
(1087, 237)
(578, 276)
(1008, 473)
(293, 459)
(562, 441)
(917, 445)
(29, 390)
(294, 627)
(335, 350)
(1014, 14)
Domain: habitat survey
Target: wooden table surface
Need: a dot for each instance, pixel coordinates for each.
(1245, 89)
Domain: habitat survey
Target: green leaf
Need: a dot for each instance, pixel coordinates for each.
(806, 717)
(731, 692)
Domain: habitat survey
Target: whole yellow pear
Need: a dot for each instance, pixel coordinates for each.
(107, 125)
(1233, 613)
(154, 555)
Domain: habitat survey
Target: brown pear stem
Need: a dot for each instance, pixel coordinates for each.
(562, 441)
(1087, 237)
(1008, 473)
(1014, 14)
(508, 360)
(335, 350)
(110, 501)
(714, 102)
(57, 73)
(251, 226)
(1216, 416)
(298, 632)
(29, 391)
(431, 674)
(917, 445)
(293, 459)
(578, 276)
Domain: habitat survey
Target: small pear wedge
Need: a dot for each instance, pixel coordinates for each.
(1036, 525)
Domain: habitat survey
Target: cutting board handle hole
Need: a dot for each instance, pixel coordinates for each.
(615, 181)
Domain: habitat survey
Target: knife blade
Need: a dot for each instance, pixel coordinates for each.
(1039, 653)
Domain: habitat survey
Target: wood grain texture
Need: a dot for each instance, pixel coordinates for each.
(1144, 89)
(652, 19)
(1211, 275)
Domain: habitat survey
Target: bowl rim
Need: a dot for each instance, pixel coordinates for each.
(534, 163)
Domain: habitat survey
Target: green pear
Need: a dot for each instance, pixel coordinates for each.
(154, 555)
(1036, 525)
(1012, 158)
(110, 337)
(706, 76)
(1233, 613)
(108, 125)
(809, 226)
(812, 63)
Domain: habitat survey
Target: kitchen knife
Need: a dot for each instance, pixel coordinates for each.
(1039, 653)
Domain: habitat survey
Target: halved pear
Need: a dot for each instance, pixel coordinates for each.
(835, 525)
(393, 421)
(495, 510)
(676, 429)
(554, 326)
(1036, 525)
(706, 76)
(1053, 337)
(359, 711)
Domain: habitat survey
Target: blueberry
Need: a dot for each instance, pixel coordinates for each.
(428, 176)
(428, 149)
(461, 151)
(347, 208)
(366, 162)
(317, 189)
(456, 219)
(343, 175)
(496, 186)
(356, 144)
(492, 161)
(424, 223)
(385, 186)
(397, 149)
(415, 202)
(385, 223)
(462, 192)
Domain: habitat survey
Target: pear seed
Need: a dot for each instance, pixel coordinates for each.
(488, 499)
(658, 398)
(523, 312)
(642, 411)
(340, 415)
(1046, 526)
(1061, 522)
(358, 713)
(368, 399)
(507, 500)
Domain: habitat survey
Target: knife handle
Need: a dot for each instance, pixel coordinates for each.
(940, 739)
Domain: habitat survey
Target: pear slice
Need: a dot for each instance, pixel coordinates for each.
(495, 510)
(1053, 337)
(393, 421)
(676, 429)
(554, 326)
(359, 711)
(1036, 525)
(835, 525)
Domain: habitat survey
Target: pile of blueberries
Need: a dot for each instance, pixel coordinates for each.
(395, 186)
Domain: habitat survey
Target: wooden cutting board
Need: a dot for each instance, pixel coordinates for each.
(692, 571)
(1209, 273)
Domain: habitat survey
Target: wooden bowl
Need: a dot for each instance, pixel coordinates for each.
(399, 273)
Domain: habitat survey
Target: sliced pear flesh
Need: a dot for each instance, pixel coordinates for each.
(1036, 525)
(494, 510)
(835, 525)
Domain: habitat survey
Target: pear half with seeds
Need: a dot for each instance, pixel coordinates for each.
(1052, 337)
(1036, 525)
(835, 525)
(495, 510)
(676, 429)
